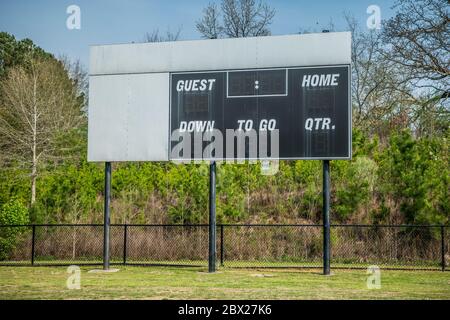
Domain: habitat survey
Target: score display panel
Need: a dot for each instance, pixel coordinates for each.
(310, 107)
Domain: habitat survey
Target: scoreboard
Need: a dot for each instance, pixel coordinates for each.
(309, 106)
(291, 90)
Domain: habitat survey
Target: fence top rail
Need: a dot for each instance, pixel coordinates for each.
(270, 225)
(230, 225)
(392, 225)
(51, 225)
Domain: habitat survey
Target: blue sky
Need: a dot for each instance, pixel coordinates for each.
(120, 21)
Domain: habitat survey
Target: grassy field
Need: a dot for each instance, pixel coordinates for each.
(196, 283)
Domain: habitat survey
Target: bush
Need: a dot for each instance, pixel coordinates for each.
(354, 187)
(415, 173)
(11, 213)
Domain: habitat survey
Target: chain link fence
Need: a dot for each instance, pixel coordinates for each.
(271, 245)
(417, 247)
(166, 245)
(238, 246)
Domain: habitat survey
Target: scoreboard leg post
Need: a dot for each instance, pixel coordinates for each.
(212, 217)
(326, 217)
(107, 220)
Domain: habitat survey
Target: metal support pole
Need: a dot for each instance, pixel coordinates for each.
(326, 217)
(221, 245)
(442, 248)
(125, 237)
(33, 240)
(107, 220)
(212, 217)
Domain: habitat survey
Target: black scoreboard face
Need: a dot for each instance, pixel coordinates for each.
(309, 106)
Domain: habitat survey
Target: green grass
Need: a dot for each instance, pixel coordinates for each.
(195, 283)
(339, 264)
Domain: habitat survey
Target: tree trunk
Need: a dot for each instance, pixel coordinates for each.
(74, 243)
(33, 185)
(34, 155)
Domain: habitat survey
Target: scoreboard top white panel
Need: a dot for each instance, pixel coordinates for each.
(222, 54)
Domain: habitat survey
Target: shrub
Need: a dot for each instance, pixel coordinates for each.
(11, 213)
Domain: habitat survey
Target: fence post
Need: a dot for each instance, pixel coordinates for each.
(125, 236)
(443, 248)
(33, 239)
(221, 245)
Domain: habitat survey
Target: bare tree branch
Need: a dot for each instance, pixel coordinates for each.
(39, 104)
(237, 19)
(209, 25)
(418, 38)
(155, 36)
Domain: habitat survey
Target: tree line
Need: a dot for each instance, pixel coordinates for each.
(400, 167)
